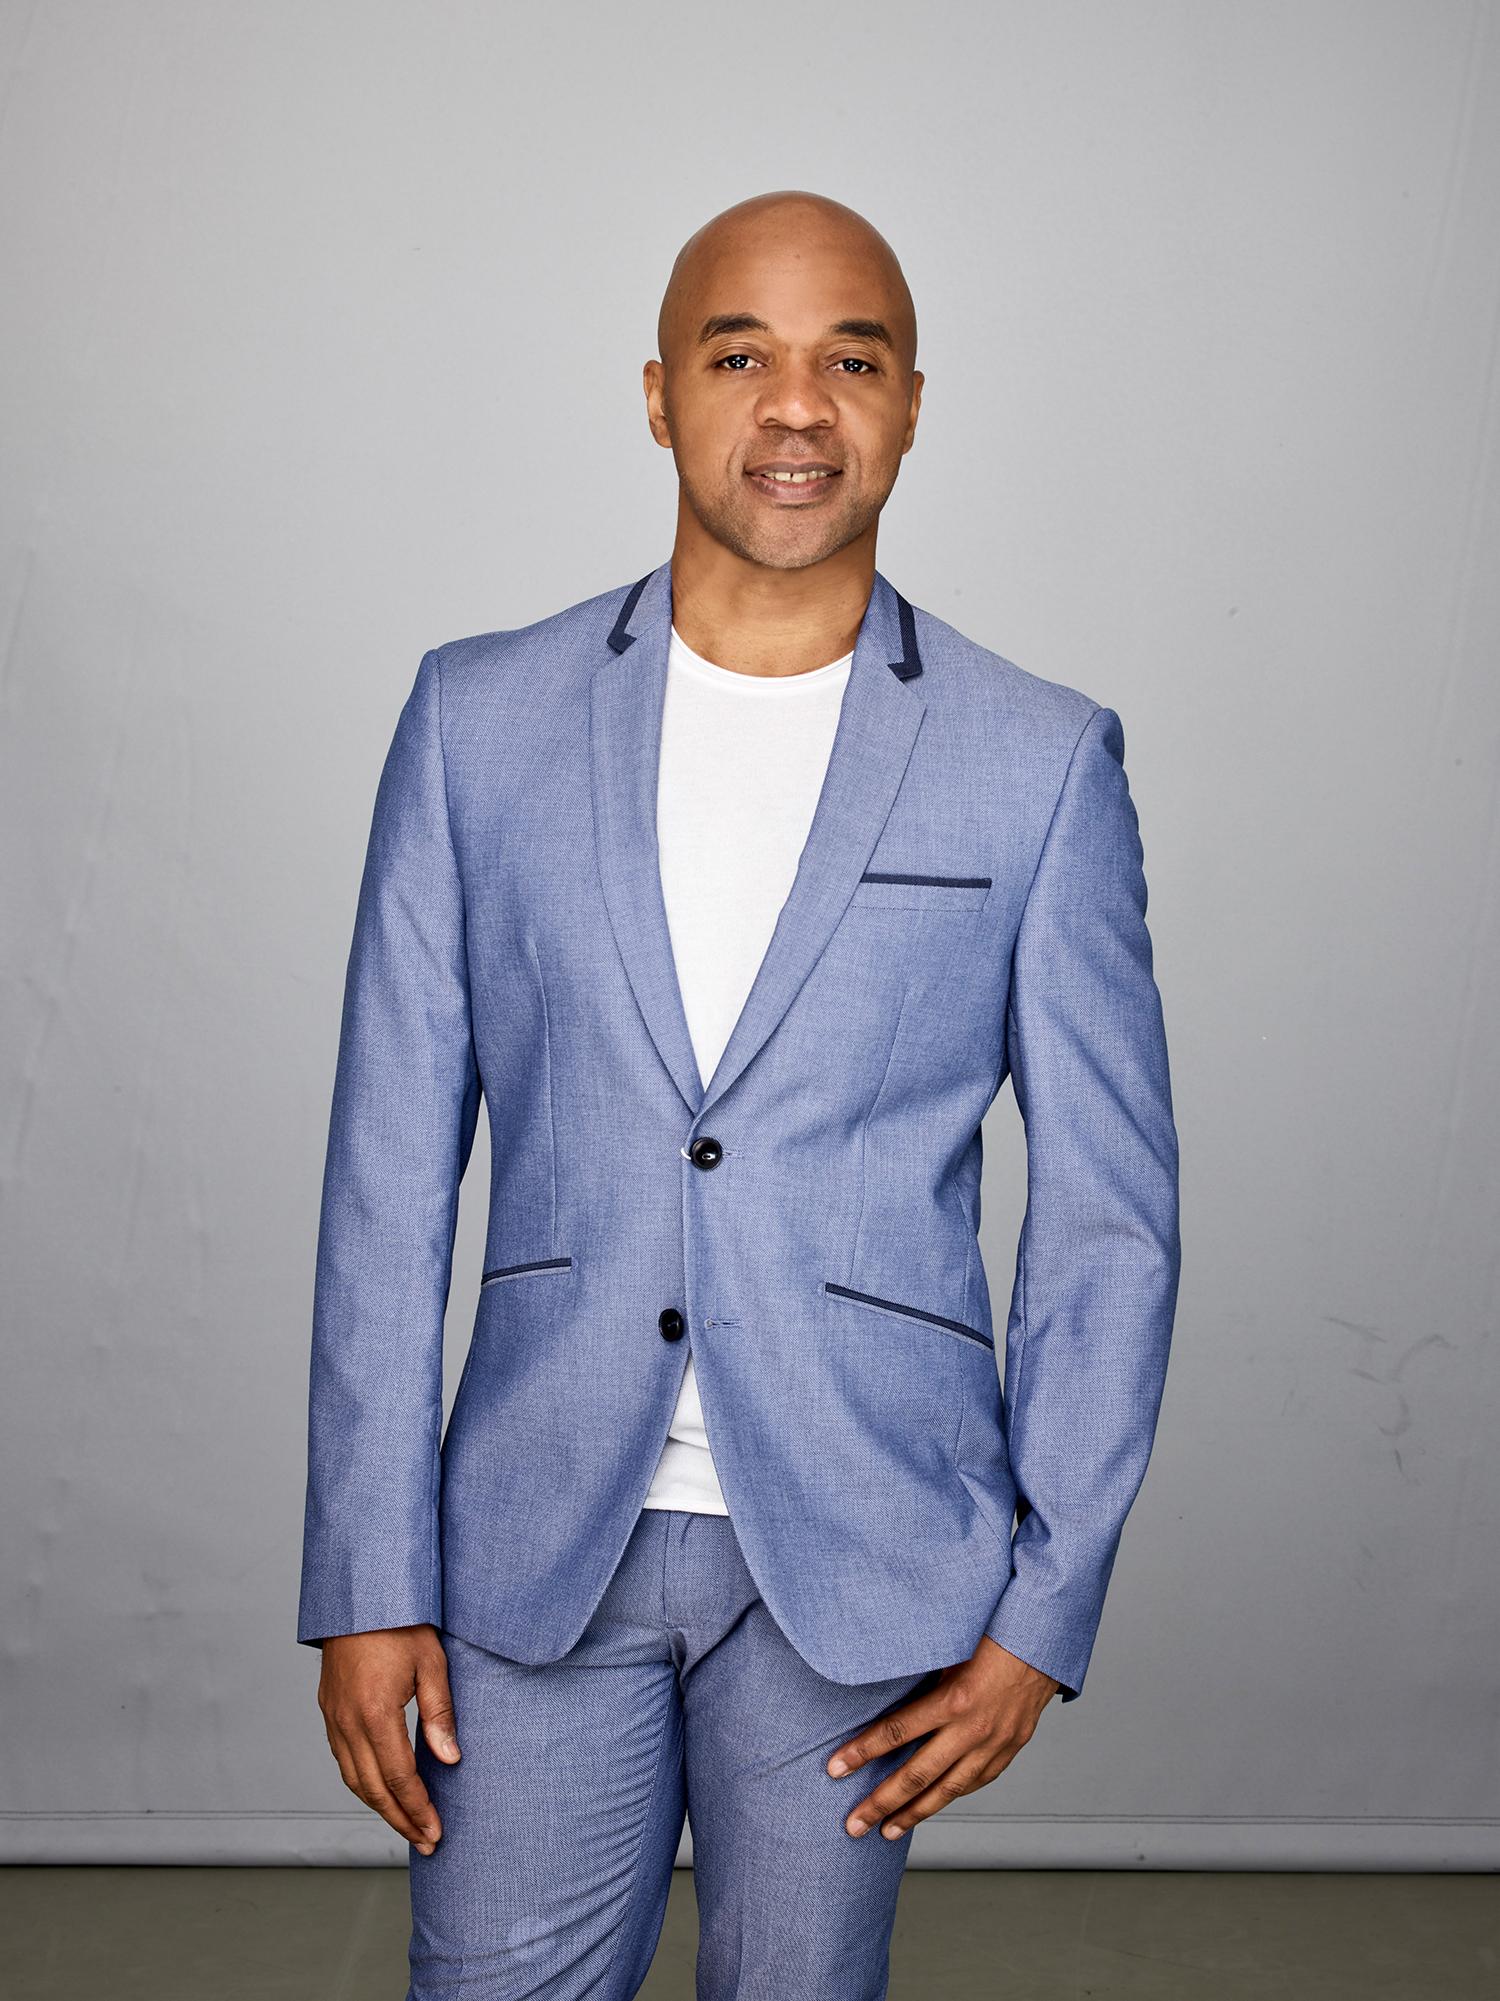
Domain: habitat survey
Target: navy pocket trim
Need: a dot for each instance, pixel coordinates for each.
(912, 1312)
(937, 881)
(537, 1264)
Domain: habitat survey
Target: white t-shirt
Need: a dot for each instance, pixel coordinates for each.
(743, 758)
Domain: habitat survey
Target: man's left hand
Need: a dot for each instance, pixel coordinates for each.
(975, 1718)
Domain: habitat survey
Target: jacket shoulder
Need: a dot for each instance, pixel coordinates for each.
(980, 675)
(576, 632)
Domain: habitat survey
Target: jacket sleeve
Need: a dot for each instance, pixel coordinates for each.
(405, 1104)
(1099, 1255)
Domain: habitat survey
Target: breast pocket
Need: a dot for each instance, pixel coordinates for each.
(883, 889)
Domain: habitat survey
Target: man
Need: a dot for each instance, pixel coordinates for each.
(736, 893)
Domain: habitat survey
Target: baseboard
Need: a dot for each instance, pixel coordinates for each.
(975, 1840)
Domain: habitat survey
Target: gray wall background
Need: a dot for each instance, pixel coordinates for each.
(322, 346)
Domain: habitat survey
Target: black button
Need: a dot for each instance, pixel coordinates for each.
(705, 1152)
(669, 1320)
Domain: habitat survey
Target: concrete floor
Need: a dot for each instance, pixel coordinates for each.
(109, 1934)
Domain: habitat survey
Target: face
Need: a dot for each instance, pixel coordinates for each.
(786, 392)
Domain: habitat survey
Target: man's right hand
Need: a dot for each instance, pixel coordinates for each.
(367, 1681)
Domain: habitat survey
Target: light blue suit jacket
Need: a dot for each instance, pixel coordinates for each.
(970, 904)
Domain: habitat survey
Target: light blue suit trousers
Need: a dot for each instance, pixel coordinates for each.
(563, 1816)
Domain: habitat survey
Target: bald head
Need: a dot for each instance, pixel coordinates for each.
(781, 233)
(786, 385)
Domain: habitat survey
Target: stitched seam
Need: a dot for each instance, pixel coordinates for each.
(437, 682)
(910, 1312)
(536, 960)
(646, 1811)
(651, 1797)
(1014, 1413)
(864, 1130)
(1015, 1401)
(435, 1558)
(1056, 807)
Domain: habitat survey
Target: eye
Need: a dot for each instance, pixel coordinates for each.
(865, 367)
(724, 360)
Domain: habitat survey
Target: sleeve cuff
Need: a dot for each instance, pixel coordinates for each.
(1040, 1644)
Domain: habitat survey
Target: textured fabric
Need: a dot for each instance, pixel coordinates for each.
(754, 749)
(970, 903)
(562, 1818)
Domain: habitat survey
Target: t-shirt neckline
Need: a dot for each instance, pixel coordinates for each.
(754, 683)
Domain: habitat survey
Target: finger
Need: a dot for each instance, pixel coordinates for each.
(398, 1769)
(924, 1768)
(338, 1744)
(888, 1733)
(370, 1786)
(435, 1706)
(967, 1776)
(375, 1789)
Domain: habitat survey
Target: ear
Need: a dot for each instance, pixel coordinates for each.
(917, 379)
(654, 382)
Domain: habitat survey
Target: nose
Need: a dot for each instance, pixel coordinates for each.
(796, 398)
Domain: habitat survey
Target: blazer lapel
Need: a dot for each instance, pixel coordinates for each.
(625, 708)
(877, 727)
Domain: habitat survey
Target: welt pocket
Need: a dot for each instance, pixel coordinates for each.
(889, 889)
(909, 1312)
(525, 1270)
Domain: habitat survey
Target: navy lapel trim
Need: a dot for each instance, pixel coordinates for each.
(620, 635)
(878, 723)
(909, 666)
(905, 669)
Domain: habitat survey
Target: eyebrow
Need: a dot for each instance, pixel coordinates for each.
(733, 323)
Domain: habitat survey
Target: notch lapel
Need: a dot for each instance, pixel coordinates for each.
(877, 727)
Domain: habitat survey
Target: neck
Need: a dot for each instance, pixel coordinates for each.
(766, 621)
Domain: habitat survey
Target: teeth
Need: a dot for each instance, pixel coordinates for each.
(794, 478)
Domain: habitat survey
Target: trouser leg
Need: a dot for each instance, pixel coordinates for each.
(562, 1819)
(790, 1906)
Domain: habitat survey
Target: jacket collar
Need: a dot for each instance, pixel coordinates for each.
(877, 727)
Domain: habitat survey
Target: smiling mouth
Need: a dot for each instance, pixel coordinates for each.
(785, 484)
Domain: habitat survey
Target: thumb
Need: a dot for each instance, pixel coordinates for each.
(435, 1706)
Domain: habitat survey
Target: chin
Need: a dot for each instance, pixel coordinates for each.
(789, 551)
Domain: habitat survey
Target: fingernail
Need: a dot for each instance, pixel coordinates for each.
(893, 1833)
(857, 1826)
(838, 1768)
